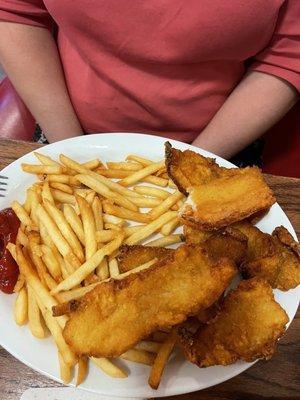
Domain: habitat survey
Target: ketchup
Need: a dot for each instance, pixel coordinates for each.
(9, 271)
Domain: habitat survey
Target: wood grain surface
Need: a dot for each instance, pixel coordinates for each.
(278, 378)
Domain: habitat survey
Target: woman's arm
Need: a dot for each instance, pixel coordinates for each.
(30, 58)
(256, 104)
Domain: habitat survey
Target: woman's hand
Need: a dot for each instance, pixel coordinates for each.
(30, 58)
(256, 104)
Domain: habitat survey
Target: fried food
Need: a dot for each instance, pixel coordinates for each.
(188, 169)
(227, 199)
(115, 315)
(228, 242)
(281, 267)
(247, 327)
(131, 257)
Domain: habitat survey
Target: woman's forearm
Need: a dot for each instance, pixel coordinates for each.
(255, 105)
(30, 58)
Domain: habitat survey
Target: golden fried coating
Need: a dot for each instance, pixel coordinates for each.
(116, 315)
(281, 267)
(247, 327)
(187, 168)
(228, 242)
(226, 200)
(132, 256)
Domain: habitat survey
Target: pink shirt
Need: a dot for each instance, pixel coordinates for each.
(163, 66)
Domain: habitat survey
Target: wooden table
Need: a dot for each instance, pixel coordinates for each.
(276, 378)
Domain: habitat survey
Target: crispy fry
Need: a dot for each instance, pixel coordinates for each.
(112, 219)
(146, 202)
(165, 205)
(42, 169)
(124, 213)
(65, 369)
(89, 227)
(165, 241)
(138, 175)
(105, 236)
(21, 307)
(62, 187)
(97, 211)
(34, 201)
(74, 221)
(22, 238)
(21, 213)
(90, 265)
(109, 368)
(100, 188)
(170, 226)
(92, 164)
(120, 174)
(147, 230)
(75, 293)
(144, 161)
(62, 179)
(51, 262)
(161, 360)
(82, 370)
(63, 197)
(46, 160)
(90, 197)
(34, 316)
(103, 270)
(127, 166)
(46, 193)
(138, 356)
(113, 268)
(151, 191)
(20, 282)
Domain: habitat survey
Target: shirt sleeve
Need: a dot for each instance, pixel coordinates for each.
(282, 55)
(28, 12)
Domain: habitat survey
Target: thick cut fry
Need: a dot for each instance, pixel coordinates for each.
(82, 370)
(154, 226)
(159, 297)
(92, 164)
(103, 270)
(81, 273)
(152, 347)
(46, 160)
(34, 315)
(113, 268)
(109, 368)
(62, 179)
(65, 369)
(124, 213)
(74, 221)
(127, 166)
(56, 236)
(65, 230)
(62, 187)
(165, 205)
(146, 202)
(42, 169)
(46, 193)
(31, 278)
(105, 236)
(110, 184)
(138, 356)
(151, 191)
(165, 241)
(101, 189)
(97, 211)
(63, 197)
(21, 307)
(21, 213)
(52, 324)
(138, 175)
(161, 361)
(170, 226)
(51, 262)
(89, 227)
(144, 161)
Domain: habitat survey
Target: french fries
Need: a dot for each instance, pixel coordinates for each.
(161, 360)
(73, 221)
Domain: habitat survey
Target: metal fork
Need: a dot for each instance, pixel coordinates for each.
(3, 184)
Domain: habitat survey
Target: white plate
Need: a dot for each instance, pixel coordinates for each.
(180, 376)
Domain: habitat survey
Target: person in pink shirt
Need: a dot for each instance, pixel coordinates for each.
(214, 73)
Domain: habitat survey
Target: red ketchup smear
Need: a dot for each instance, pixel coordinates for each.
(9, 271)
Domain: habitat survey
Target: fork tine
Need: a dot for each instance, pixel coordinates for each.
(3, 177)
(3, 183)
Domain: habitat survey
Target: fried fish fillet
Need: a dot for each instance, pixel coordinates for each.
(228, 242)
(116, 315)
(226, 200)
(132, 256)
(247, 327)
(278, 262)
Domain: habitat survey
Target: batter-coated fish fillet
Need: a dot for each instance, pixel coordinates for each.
(247, 326)
(115, 315)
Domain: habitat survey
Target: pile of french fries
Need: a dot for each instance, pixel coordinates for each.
(73, 222)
